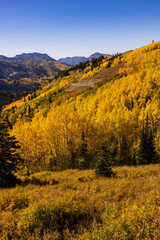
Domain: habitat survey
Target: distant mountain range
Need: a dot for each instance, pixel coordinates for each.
(76, 60)
(14, 71)
(27, 71)
(34, 55)
(35, 67)
(28, 56)
(68, 60)
(29, 65)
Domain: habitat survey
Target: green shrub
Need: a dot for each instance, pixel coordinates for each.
(103, 166)
(103, 169)
(55, 216)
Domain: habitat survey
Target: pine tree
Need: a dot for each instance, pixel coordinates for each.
(103, 165)
(147, 152)
(9, 159)
(84, 153)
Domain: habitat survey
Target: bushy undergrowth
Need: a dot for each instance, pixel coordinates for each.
(76, 204)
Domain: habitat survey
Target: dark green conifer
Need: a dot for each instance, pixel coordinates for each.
(103, 165)
(9, 159)
(84, 154)
(147, 152)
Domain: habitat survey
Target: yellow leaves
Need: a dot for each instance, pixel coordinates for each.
(125, 70)
(18, 103)
(116, 107)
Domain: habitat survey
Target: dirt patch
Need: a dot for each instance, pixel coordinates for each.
(108, 73)
(89, 82)
(82, 84)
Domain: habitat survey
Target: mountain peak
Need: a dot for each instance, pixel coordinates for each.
(97, 55)
(34, 55)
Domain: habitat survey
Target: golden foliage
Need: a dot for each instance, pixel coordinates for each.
(113, 110)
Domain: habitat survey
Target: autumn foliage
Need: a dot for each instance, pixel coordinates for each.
(49, 127)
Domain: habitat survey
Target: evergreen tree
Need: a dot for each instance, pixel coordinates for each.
(84, 153)
(83, 148)
(9, 159)
(147, 152)
(103, 165)
(108, 64)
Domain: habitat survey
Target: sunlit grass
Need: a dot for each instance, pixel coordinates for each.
(74, 203)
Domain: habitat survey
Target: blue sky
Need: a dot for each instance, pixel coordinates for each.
(64, 28)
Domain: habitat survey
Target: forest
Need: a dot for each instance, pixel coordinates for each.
(59, 129)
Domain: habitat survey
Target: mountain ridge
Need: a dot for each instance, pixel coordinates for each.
(28, 56)
(67, 60)
(34, 55)
(23, 73)
(77, 59)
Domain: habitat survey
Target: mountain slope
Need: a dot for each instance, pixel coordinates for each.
(26, 73)
(116, 102)
(4, 57)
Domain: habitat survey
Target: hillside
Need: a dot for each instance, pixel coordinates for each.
(24, 73)
(114, 101)
(29, 68)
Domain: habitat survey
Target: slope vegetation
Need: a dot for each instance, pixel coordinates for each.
(113, 100)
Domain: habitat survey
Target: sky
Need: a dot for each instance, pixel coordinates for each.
(64, 28)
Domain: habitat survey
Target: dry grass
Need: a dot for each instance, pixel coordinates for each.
(77, 205)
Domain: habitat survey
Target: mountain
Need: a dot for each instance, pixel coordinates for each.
(72, 60)
(97, 55)
(28, 56)
(33, 55)
(4, 58)
(27, 71)
(76, 60)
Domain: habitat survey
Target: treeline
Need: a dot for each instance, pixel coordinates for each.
(63, 141)
(95, 62)
(80, 66)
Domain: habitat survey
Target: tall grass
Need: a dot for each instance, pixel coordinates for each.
(76, 204)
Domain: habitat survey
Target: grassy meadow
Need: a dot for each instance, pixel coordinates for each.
(76, 204)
